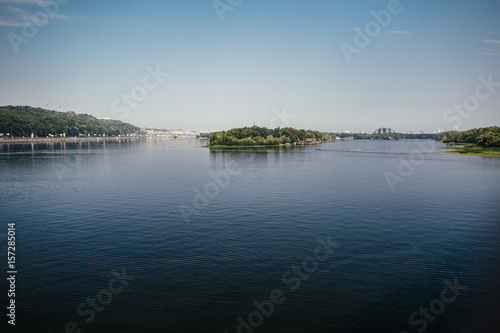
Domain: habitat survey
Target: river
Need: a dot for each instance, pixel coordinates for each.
(166, 236)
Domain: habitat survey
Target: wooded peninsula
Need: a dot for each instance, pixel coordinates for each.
(486, 136)
(477, 141)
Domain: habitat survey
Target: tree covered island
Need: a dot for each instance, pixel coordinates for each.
(261, 136)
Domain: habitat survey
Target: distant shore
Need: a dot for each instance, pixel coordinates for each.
(67, 139)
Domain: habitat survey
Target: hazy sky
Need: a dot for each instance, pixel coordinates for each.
(276, 62)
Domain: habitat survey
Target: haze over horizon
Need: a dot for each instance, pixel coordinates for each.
(426, 66)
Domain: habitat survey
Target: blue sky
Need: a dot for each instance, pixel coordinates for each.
(275, 62)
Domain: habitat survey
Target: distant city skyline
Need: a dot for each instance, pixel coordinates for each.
(210, 65)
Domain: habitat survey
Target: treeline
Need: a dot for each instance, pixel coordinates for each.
(21, 121)
(487, 136)
(250, 136)
(385, 136)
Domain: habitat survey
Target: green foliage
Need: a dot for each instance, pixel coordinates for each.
(473, 149)
(24, 120)
(486, 137)
(251, 136)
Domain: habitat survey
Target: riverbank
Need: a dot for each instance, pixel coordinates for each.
(472, 149)
(68, 139)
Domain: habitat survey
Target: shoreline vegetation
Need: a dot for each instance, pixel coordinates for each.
(26, 124)
(472, 149)
(485, 136)
(477, 141)
(260, 137)
(27, 121)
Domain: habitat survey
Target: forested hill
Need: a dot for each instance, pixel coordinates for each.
(486, 136)
(21, 121)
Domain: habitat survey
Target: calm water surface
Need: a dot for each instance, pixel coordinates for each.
(197, 236)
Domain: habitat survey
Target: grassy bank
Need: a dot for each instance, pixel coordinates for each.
(471, 149)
